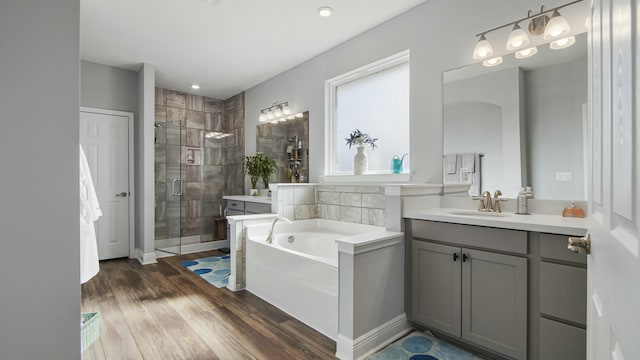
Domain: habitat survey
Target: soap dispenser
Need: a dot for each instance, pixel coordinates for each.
(522, 206)
(573, 211)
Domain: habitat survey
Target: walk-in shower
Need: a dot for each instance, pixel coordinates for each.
(199, 146)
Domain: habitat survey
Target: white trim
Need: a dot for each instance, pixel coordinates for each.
(372, 341)
(412, 189)
(366, 179)
(132, 203)
(191, 248)
(386, 239)
(145, 259)
(330, 156)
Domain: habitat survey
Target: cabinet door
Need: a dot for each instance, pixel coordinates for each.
(494, 301)
(435, 299)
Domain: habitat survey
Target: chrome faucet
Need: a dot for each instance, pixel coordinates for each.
(273, 225)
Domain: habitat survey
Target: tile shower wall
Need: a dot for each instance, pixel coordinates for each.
(208, 167)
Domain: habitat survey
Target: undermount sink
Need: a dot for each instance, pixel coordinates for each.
(479, 213)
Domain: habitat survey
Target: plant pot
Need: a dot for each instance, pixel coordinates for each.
(360, 162)
(254, 192)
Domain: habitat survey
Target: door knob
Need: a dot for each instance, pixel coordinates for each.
(580, 244)
(123, 194)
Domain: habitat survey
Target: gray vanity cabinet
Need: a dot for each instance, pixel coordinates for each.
(437, 286)
(479, 296)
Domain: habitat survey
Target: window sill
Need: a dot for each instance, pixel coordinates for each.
(366, 179)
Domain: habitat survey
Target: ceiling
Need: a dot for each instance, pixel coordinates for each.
(225, 46)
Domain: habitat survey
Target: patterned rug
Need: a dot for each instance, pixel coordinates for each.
(214, 269)
(422, 346)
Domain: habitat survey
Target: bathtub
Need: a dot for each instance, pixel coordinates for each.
(298, 271)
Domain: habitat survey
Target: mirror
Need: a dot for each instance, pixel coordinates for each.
(522, 123)
(288, 144)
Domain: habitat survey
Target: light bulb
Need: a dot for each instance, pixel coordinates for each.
(525, 53)
(557, 27)
(493, 62)
(483, 49)
(195, 86)
(262, 117)
(277, 113)
(563, 43)
(270, 115)
(286, 109)
(325, 11)
(517, 38)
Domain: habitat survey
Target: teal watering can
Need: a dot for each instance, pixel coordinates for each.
(396, 164)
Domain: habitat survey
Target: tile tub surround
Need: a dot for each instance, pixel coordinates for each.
(350, 203)
(183, 118)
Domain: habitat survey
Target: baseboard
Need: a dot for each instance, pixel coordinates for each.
(372, 341)
(145, 258)
(232, 284)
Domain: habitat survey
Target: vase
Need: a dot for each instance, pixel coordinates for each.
(360, 161)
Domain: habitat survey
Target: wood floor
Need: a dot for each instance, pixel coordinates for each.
(164, 311)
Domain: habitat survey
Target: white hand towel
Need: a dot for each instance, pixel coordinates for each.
(89, 212)
(468, 161)
(451, 163)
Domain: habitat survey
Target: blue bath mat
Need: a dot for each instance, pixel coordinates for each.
(422, 346)
(214, 269)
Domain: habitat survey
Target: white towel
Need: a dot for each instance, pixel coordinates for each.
(89, 212)
(451, 163)
(468, 161)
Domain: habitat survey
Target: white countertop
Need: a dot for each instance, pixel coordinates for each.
(249, 198)
(554, 224)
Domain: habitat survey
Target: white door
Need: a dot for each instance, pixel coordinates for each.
(104, 136)
(613, 327)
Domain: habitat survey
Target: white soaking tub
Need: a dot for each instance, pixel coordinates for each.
(298, 271)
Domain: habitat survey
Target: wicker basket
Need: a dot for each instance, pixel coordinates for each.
(90, 329)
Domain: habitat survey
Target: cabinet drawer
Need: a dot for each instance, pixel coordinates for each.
(257, 208)
(235, 205)
(513, 241)
(563, 292)
(555, 247)
(562, 341)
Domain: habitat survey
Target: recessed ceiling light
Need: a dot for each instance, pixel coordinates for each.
(325, 11)
(195, 86)
(210, 2)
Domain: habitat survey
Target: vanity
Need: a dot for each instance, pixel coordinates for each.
(247, 205)
(505, 286)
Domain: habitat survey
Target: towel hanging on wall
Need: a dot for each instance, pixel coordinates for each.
(89, 213)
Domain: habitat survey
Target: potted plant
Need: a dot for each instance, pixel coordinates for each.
(253, 167)
(360, 140)
(268, 167)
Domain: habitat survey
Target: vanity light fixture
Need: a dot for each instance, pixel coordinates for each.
(493, 61)
(557, 27)
(525, 53)
(325, 11)
(278, 112)
(563, 43)
(483, 48)
(517, 38)
(539, 24)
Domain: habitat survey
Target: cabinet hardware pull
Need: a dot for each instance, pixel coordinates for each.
(465, 257)
(455, 256)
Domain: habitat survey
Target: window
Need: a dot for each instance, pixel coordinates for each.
(375, 100)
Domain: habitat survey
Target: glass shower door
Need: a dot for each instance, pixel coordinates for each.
(170, 172)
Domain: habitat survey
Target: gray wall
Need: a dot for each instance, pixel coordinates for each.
(440, 36)
(108, 87)
(39, 219)
(555, 95)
